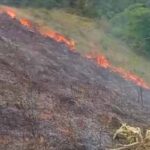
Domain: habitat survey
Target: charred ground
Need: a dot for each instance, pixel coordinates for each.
(52, 98)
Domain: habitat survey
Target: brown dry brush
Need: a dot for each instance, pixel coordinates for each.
(30, 114)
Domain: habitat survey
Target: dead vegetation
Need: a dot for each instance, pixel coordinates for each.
(134, 137)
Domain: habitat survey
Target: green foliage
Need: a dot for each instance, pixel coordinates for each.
(90, 8)
(133, 25)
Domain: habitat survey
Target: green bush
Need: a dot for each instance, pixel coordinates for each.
(133, 25)
(90, 8)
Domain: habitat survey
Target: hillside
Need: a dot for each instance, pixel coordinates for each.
(91, 36)
(54, 98)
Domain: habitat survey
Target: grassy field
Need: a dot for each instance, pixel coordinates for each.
(91, 35)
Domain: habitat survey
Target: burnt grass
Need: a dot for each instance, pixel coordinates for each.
(54, 99)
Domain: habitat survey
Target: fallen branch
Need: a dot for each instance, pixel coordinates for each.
(126, 147)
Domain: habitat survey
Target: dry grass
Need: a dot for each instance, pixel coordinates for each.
(91, 35)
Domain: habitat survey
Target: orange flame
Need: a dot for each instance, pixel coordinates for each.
(48, 33)
(25, 22)
(130, 76)
(58, 37)
(100, 59)
(9, 11)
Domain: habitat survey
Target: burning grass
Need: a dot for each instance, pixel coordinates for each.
(99, 58)
(90, 35)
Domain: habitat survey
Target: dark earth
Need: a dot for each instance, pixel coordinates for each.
(54, 99)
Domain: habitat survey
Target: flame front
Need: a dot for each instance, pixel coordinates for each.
(47, 33)
(25, 22)
(9, 11)
(58, 37)
(130, 76)
(101, 60)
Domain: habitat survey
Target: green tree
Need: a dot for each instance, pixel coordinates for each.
(133, 25)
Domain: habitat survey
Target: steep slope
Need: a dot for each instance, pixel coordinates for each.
(53, 98)
(91, 35)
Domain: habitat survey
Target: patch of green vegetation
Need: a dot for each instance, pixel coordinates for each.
(89, 8)
(133, 26)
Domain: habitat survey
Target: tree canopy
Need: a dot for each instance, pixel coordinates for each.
(133, 25)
